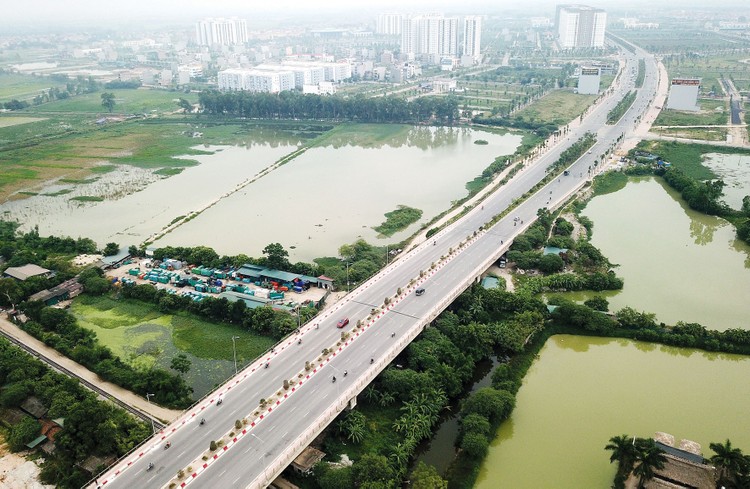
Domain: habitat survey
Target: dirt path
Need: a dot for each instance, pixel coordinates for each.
(124, 395)
(18, 473)
(578, 230)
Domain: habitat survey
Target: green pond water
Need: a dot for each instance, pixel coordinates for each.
(144, 338)
(582, 390)
(677, 263)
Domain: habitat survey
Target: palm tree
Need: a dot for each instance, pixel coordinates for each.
(648, 458)
(386, 398)
(371, 395)
(729, 460)
(623, 451)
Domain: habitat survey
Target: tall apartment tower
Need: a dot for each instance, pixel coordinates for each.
(430, 35)
(221, 32)
(389, 23)
(472, 36)
(580, 26)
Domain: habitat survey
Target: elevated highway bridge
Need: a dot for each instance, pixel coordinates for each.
(254, 454)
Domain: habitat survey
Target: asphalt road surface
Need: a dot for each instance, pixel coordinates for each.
(252, 460)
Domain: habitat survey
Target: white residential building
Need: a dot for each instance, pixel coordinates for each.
(288, 75)
(221, 32)
(580, 26)
(389, 23)
(303, 75)
(472, 44)
(322, 88)
(255, 80)
(334, 71)
(430, 35)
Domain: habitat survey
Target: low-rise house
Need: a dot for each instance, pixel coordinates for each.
(34, 406)
(66, 290)
(27, 271)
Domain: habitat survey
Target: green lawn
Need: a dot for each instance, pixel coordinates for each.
(133, 101)
(143, 336)
(708, 116)
(559, 106)
(24, 87)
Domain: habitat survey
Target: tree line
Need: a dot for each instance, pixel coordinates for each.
(50, 252)
(92, 427)
(405, 402)
(703, 196)
(294, 105)
(60, 329)
(262, 320)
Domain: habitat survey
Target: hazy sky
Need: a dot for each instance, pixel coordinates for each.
(111, 13)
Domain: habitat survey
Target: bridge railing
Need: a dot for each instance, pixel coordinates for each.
(293, 450)
(320, 423)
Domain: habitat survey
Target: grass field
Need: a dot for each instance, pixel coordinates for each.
(24, 87)
(705, 134)
(559, 106)
(78, 151)
(708, 116)
(674, 38)
(9, 121)
(364, 135)
(143, 337)
(134, 101)
(689, 157)
(147, 146)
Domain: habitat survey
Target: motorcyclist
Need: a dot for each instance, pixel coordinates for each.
(169, 444)
(150, 466)
(372, 360)
(203, 421)
(345, 373)
(334, 379)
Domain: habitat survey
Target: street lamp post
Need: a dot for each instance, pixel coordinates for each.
(148, 400)
(234, 352)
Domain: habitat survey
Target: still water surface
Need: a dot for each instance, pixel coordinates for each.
(734, 170)
(582, 390)
(138, 203)
(677, 263)
(331, 195)
(334, 194)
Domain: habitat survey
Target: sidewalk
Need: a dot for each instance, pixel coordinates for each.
(124, 395)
